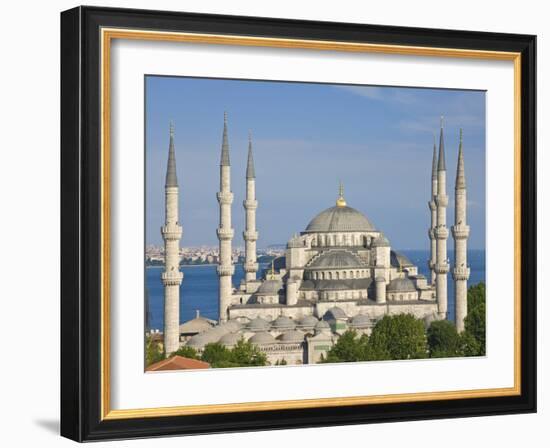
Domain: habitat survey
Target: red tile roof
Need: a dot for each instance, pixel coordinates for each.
(177, 363)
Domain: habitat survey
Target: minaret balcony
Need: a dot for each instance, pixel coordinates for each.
(225, 197)
(251, 267)
(461, 273)
(442, 200)
(172, 278)
(250, 204)
(441, 268)
(432, 206)
(250, 235)
(461, 231)
(225, 234)
(431, 265)
(224, 270)
(431, 234)
(441, 233)
(171, 232)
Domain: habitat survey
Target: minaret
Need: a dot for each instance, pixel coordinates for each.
(433, 223)
(441, 231)
(171, 233)
(461, 231)
(250, 204)
(225, 232)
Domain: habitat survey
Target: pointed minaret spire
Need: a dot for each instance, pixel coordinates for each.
(171, 234)
(250, 173)
(461, 232)
(225, 143)
(434, 164)
(225, 231)
(171, 176)
(441, 162)
(441, 232)
(460, 178)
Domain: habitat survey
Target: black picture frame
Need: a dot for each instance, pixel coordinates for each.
(81, 224)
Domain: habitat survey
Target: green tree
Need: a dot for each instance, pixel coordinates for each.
(469, 346)
(348, 348)
(216, 355)
(246, 354)
(397, 337)
(153, 353)
(187, 352)
(474, 323)
(443, 340)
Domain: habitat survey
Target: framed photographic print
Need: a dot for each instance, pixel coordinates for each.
(275, 224)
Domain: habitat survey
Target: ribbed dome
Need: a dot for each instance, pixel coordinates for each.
(292, 336)
(336, 259)
(340, 219)
(262, 338)
(401, 285)
(283, 323)
(230, 339)
(258, 324)
(270, 287)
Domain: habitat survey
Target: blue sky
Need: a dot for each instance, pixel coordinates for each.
(307, 137)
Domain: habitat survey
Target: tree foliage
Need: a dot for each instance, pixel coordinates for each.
(244, 354)
(474, 323)
(348, 348)
(187, 352)
(153, 352)
(443, 340)
(401, 336)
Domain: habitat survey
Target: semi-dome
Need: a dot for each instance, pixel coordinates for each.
(404, 284)
(270, 287)
(322, 325)
(283, 323)
(292, 336)
(340, 219)
(262, 338)
(336, 259)
(334, 313)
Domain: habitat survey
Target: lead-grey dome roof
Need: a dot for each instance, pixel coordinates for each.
(340, 219)
(230, 339)
(308, 322)
(360, 321)
(336, 259)
(292, 336)
(262, 338)
(283, 323)
(401, 285)
(270, 287)
(258, 324)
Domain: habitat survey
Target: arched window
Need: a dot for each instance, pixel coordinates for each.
(344, 275)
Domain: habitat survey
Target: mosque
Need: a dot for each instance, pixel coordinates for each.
(339, 273)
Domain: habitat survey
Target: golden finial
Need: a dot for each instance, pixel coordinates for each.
(341, 202)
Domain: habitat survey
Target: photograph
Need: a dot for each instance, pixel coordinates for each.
(299, 223)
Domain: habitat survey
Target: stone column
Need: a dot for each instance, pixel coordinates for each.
(250, 204)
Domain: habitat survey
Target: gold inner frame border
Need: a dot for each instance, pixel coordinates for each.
(107, 35)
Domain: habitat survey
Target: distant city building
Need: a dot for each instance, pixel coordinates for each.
(339, 273)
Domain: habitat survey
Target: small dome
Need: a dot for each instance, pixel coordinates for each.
(360, 321)
(231, 325)
(404, 284)
(380, 241)
(270, 287)
(308, 322)
(230, 339)
(339, 219)
(283, 323)
(197, 341)
(336, 259)
(292, 336)
(258, 324)
(335, 313)
(262, 338)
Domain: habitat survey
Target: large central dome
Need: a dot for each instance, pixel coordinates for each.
(340, 218)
